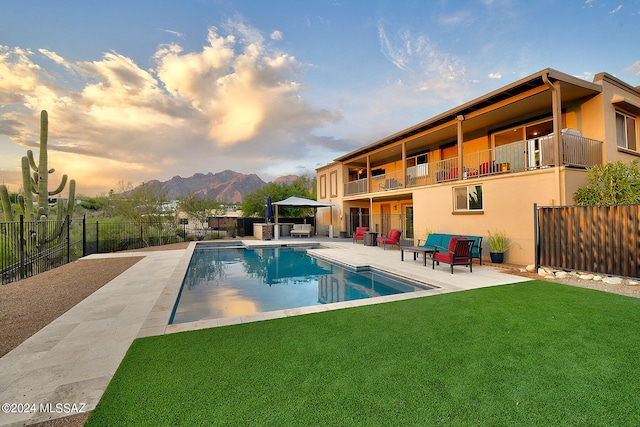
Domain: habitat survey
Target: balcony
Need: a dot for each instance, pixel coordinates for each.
(520, 156)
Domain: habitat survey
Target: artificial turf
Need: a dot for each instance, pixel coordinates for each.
(534, 353)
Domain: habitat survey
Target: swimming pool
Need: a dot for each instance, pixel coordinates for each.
(233, 281)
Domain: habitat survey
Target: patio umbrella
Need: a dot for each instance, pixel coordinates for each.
(269, 208)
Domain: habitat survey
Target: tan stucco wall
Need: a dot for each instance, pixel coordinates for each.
(508, 207)
(609, 93)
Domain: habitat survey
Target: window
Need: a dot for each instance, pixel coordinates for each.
(323, 186)
(333, 178)
(408, 224)
(626, 131)
(467, 198)
(418, 166)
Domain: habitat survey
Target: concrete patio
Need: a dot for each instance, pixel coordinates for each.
(72, 360)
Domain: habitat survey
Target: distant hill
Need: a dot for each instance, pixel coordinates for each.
(288, 179)
(228, 186)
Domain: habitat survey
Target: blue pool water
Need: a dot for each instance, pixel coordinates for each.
(226, 282)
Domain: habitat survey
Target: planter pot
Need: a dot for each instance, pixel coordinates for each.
(497, 257)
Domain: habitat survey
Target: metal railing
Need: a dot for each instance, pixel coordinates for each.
(580, 151)
(388, 181)
(520, 156)
(28, 248)
(356, 187)
(382, 224)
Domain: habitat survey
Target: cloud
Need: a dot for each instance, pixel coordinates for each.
(495, 75)
(234, 100)
(426, 67)
(175, 33)
(634, 68)
(615, 10)
(276, 35)
(458, 18)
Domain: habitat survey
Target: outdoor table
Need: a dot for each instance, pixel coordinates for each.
(370, 238)
(416, 250)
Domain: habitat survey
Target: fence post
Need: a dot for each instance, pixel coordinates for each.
(536, 237)
(84, 235)
(97, 238)
(22, 244)
(68, 239)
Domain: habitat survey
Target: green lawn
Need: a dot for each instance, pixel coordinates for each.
(533, 354)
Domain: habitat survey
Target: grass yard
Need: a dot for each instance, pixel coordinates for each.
(534, 353)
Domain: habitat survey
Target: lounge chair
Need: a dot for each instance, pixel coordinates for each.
(460, 252)
(359, 234)
(300, 230)
(393, 238)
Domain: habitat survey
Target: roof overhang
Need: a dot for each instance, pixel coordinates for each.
(572, 88)
(627, 104)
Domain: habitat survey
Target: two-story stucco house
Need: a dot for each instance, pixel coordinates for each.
(482, 166)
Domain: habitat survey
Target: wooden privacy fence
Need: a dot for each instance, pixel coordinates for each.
(597, 239)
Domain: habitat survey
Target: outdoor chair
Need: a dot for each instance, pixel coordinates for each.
(460, 252)
(393, 238)
(359, 234)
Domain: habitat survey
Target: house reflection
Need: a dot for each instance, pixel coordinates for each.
(231, 282)
(209, 267)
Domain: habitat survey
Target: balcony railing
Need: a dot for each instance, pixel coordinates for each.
(519, 156)
(356, 187)
(388, 181)
(580, 151)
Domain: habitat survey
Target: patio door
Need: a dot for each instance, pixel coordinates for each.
(385, 218)
(358, 217)
(408, 222)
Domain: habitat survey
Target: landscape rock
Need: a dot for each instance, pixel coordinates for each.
(633, 283)
(531, 268)
(586, 276)
(543, 272)
(562, 275)
(612, 280)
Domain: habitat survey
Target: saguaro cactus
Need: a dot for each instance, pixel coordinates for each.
(37, 184)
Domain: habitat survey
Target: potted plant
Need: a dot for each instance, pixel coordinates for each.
(499, 243)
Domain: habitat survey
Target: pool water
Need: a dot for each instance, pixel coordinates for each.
(226, 282)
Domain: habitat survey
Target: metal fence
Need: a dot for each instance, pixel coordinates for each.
(597, 239)
(28, 248)
(121, 236)
(31, 247)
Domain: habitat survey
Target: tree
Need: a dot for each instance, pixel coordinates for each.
(610, 184)
(199, 209)
(147, 202)
(254, 203)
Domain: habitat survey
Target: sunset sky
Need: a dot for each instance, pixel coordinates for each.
(150, 89)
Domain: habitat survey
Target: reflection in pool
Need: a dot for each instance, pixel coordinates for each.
(225, 282)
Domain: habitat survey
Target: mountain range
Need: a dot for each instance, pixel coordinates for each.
(228, 186)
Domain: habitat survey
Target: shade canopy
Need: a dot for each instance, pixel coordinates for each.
(301, 202)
